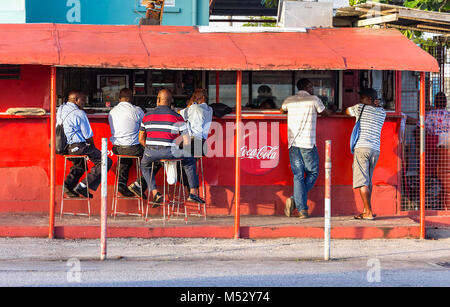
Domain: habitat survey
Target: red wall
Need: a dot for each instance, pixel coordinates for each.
(24, 165)
(32, 90)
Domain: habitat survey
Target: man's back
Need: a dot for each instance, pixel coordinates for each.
(162, 126)
(75, 122)
(372, 120)
(302, 111)
(124, 121)
(199, 117)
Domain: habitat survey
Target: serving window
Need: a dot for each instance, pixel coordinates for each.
(268, 89)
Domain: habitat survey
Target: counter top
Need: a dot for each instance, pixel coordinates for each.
(245, 115)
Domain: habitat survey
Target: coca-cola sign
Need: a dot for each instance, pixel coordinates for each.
(263, 153)
(260, 150)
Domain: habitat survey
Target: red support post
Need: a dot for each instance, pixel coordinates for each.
(422, 155)
(398, 92)
(237, 200)
(51, 224)
(217, 87)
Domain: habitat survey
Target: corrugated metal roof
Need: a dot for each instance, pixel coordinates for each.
(176, 47)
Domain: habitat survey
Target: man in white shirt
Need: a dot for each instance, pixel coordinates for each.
(125, 120)
(302, 110)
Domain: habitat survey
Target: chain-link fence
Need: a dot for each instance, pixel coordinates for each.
(437, 137)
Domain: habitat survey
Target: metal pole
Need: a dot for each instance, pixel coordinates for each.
(237, 200)
(104, 198)
(51, 222)
(422, 155)
(327, 215)
(217, 87)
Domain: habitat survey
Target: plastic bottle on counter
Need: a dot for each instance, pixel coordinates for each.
(108, 102)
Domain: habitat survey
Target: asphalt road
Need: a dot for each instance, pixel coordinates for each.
(172, 262)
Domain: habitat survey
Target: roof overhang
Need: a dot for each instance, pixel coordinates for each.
(177, 47)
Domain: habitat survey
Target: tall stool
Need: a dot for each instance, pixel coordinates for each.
(116, 195)
(86, 159)
(178, 197)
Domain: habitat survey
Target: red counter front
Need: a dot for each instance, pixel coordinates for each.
(24, 167)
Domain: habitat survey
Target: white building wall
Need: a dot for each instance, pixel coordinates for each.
(12, 11)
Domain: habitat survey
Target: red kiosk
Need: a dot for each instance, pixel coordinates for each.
(244, 177)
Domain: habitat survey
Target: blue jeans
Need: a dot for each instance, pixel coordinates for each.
(303, 161)
(152, 154)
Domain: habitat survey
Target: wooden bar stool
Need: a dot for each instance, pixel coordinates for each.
(178, 196)
(86, 159)
(116, 196)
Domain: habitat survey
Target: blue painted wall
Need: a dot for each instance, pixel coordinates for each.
(114, 12)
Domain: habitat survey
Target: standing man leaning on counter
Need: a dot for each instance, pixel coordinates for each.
(125, 120)
(80, 142)
(302, 110)
(367, 148)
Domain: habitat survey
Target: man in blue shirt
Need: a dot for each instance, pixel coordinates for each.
(80, 142)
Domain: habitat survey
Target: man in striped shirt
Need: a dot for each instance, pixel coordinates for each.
(367, 148)
(159, 134)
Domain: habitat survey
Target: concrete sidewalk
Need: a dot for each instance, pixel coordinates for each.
(254, 227)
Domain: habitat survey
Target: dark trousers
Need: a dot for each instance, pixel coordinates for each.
(156, 153)
(125, 163)
(77, 170)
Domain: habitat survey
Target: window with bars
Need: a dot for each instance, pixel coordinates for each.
(9, 72)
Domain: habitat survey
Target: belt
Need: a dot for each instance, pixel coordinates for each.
(157, 147)
(78, 144)
(126, 146)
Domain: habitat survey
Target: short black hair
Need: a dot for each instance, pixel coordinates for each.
(126, 93)
(302, 84)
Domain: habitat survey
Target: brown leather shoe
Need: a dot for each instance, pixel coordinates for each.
(289, 207)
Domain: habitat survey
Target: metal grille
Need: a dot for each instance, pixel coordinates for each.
(437, 137)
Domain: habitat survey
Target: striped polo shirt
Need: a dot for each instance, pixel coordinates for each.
(162, 126)
(372, 120)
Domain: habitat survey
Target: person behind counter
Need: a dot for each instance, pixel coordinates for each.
(302, 110)
(80, 142)
(159, 130)
(367, 148)
(125, 120)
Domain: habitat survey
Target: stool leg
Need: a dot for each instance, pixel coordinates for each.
(183, 192)
(149, 196)
(87, 187)
(138, 174)
(63, 186)
(203, 187)
(164, 198)
(116, 189)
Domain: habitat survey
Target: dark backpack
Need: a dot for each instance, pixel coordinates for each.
(60, 137)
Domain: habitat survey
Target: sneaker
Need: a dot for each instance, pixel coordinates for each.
(123, 189)
(83, 191)
(194, 198)
(303, 214)
(157, 200)
(70, 193)
(133, 188)
(290, 205)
